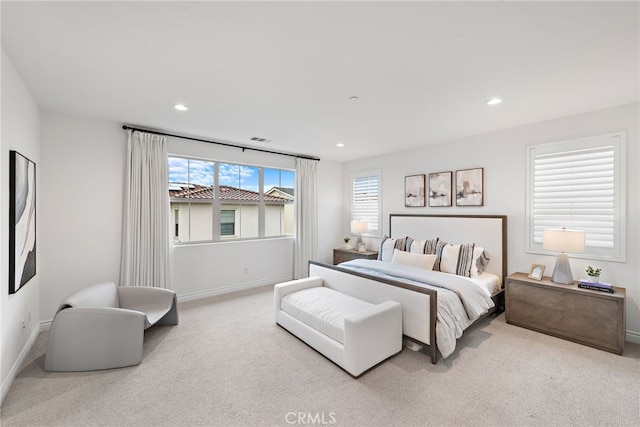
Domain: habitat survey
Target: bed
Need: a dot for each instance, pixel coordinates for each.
(437, 306)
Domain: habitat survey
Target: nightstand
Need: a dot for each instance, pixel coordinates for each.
(592, 318)
(342, 255)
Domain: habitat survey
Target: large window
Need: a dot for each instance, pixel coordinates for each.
(244, 202)
(365, 200)
(579, 184)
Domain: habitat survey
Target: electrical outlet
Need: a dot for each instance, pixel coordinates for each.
(24, 325)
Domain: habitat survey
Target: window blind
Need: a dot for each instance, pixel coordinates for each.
(365, 203)
(578, 185)
(576, 190)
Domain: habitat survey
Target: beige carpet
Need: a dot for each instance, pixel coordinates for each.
(228, 364)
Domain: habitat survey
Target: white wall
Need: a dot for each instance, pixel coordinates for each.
(81, 192)
(216, 268)
(331, 210)
(81, 197)
(503, 157)
(20, 132)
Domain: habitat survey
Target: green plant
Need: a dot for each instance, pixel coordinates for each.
(593, 271)
(346, 240)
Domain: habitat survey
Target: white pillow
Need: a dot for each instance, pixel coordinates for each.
(413, 259)
(417, 246)
(457, 259)
(479, 261)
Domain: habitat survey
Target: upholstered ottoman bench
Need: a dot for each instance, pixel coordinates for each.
(354, 334)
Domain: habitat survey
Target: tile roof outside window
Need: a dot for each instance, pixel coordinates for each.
(202, 192)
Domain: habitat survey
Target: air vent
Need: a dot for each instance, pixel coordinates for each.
(255, 138)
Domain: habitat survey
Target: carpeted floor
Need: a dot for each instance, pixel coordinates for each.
(228, 364)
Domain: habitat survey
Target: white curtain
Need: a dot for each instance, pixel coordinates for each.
(146, 236)
(307, 216)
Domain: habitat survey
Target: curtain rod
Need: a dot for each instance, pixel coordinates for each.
(241, 147)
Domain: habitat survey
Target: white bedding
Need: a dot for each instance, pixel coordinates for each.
(490, 283)
(461, 300)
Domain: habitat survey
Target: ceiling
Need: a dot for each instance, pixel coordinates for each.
(286, 71)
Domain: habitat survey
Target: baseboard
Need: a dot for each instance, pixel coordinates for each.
(232, 288)
(22, 357)
(633, 337)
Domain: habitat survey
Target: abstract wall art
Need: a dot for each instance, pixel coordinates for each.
(22, 221)
(414, 191)
(470, 187)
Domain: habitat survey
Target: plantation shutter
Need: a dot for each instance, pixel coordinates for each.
(365, 203)
(578, 185)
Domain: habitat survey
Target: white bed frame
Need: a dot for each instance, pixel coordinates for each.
(419, 305)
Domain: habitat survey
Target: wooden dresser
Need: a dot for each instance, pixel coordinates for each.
(592, 318)
(343, 255)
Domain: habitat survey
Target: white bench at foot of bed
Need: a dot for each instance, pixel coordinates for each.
(354, 334)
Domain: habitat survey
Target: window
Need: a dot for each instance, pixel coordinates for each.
(278, 189)
(191, 195)
(579, 184)
(238, 189)
(245, 201)
(365, 200)
(227, 223)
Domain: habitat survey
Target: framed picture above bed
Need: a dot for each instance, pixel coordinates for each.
(470, 187)
(414, 194)
(440, 188)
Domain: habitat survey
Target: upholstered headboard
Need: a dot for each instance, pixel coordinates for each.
(488, 231)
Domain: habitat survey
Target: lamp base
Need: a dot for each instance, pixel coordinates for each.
(358, 241)
(562, 270)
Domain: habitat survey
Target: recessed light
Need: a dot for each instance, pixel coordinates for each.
(354, 98)
(339, 145)
(494, 101)
(181, 107)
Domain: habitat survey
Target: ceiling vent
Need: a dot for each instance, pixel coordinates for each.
(255, 138)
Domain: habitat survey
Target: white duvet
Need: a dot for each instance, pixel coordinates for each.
(460, 301)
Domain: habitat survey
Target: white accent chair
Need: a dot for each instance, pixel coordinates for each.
(354, 334)
(102, 326)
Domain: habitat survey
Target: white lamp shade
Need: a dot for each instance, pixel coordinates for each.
(359, 227)
(563, 240)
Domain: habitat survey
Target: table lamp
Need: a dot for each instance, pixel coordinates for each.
(358, 227)
(563, 241)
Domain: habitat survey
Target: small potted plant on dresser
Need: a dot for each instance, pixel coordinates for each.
(346, 243)
(593, 274)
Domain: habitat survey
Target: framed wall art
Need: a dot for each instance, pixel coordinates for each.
(440, 188)
(22, 221)
(470, 187)
(414, 194)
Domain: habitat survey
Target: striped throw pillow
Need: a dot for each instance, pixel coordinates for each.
(422, 246)
(457, 259)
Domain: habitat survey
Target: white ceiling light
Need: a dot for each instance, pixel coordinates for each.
(494, 101)
(339, 145)
(354, 98)
(181, 107)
